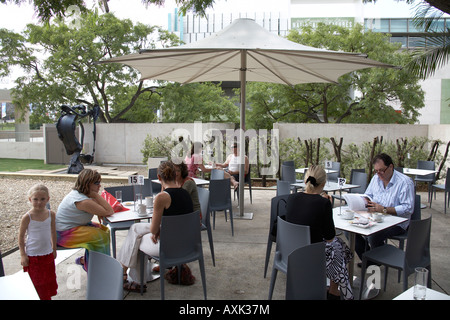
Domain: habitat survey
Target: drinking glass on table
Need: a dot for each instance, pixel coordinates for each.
(149, 203)
(420, 285)
(137, 201)
(119, 196)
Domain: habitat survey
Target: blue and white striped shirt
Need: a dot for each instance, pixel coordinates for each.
(399, 193)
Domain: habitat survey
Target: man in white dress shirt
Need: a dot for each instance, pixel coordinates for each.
(392, 193)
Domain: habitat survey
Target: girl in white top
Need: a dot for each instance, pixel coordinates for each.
(37, 243)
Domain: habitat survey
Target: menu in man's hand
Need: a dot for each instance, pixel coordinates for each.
(357, 201)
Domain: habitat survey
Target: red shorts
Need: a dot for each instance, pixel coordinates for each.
(42, 272)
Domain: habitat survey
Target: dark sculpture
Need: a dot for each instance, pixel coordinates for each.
(66, 126)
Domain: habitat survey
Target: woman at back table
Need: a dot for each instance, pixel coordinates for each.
(173, 200)
(313, 208)
(187, 183)
(194, 162)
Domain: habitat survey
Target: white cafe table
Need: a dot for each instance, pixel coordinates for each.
(198, 181)
(346, 225)
(131, 215)
(418, 172)
(431, 295)
(128, 215)
(329, 186)
(17, 286)
(303, 170)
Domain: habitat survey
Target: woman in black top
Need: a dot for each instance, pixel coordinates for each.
(173, 200)
(313, 208)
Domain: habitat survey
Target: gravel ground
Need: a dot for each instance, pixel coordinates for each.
(14, 203)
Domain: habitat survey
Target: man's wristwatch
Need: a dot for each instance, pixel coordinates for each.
(384, 210)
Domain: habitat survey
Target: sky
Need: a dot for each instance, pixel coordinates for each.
(134, 9)
(16, 17)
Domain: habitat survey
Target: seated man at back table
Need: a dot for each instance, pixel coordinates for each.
(392, 193)
(233, 164)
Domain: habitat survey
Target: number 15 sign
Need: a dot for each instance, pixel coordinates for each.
(136, 179)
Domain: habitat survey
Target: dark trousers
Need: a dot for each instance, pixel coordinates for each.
(375, 240)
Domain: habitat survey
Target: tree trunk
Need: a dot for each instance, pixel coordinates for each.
(444, 160)
(318, 151)
(337, 148)
(372, 155)
(433, 151)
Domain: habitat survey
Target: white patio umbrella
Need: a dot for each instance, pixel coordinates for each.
(245, 51)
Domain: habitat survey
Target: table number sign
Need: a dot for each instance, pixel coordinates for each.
(341, 182)
(328, 164)
(136, 179)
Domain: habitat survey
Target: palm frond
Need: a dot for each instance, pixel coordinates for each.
(431, 57)
(427, 17)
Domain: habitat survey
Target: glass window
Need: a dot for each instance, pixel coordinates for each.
(402, 40)
(412, 27)
(414, 42)
(377, 25)
(439, 26)
(399, 25)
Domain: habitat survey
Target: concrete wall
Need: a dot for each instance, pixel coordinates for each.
(22, 144)
(22, 150)
(122, 142)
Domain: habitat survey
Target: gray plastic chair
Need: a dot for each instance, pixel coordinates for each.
(429, 178)
(417, 254)
(333, 177)
(283, 187)
(155, 186)
(288, 174)
(416, 215)
(358, 178)
(290, 236)
(248, 181)
(277, 207)
(220, 200)
(127, 195)
(105, 277)
(146, 189)
(180, 242)
(306, 273)
(446, 188)
(289, 163)
(203, 197)
(217, 174)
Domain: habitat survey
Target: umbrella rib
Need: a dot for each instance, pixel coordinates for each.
(292, 66)
(368, 62)
(212, 67)
(270, 70)
(170, 54)
(187, 65)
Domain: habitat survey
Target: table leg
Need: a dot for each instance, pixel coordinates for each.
(351, 265)
(368, 293)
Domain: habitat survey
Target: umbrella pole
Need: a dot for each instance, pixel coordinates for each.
(242, 76)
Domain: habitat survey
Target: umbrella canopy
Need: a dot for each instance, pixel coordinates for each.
(270, 58)
(245, 51)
